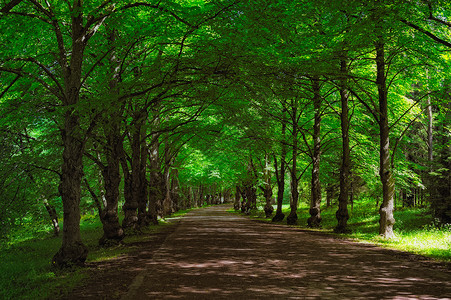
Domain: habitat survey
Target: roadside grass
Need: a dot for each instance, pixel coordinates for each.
(26, 271)
(415, 231)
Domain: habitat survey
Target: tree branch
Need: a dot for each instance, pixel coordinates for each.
(428, 33)
(9, 86)
(7, 8)
(45, 69)
(37, 79)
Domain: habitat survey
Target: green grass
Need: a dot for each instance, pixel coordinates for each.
(25, 265)
(414, 231)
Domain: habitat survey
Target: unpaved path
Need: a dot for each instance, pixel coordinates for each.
(212, 254)
(218, 255)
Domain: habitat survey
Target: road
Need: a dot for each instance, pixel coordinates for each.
(214, 254)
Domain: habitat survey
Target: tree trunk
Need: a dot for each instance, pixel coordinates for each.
(132, 202)
(175, 190)
(342, 213)
(112, 230)
(441, 181)
(315, 204)
(244, 200)
(200, 199)
(53, 216)
(143, 192)
(281, 175)
(127, 181)
(293, 216)
(267, 190)
(430, 126)
(236, 204)
(386, 220)
(72, 251)
(167, 202)
(251, 197)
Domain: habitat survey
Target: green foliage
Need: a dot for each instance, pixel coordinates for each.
(213, 83)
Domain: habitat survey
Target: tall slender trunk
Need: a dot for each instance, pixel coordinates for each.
(342, 213)
(143, 191)
(127, 178)
(315, 203)
(386, 220)
(175, 185)
(250, 186)
(281, 174)
(167, 202)
(430, 130)
(267, 191)
(155, 192)
(293, 216)
(200, 198)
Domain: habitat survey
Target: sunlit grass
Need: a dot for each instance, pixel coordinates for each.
(432, 242)
(414, 231)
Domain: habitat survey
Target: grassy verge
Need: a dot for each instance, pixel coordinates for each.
(25, 266)
(414, 228)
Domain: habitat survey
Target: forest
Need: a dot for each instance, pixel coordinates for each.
(128, 111)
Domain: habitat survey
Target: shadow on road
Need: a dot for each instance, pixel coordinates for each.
(217, 255)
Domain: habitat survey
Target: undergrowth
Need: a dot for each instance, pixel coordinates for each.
(25, 264)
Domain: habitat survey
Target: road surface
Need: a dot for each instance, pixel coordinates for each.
(214, 254)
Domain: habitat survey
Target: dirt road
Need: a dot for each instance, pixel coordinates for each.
(213, 254)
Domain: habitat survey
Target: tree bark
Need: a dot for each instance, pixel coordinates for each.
(315, 204)
(267, 190)
(342, 213)
(175, 185)
(155, 193)
(244, 200)
(168, 207)
(386, 220)
(236, 204)
(143, 191)
(293, 216)
(281, 174)
(441, 181)
(430, 130)
(112, 230)
(72, 251)
(134, 178)
(53, 216)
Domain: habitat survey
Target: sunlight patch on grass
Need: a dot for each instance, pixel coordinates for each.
(413, 229)
(430, 242)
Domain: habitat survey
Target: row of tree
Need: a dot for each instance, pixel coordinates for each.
(153, 106)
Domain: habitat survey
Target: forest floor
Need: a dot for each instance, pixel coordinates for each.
(213, 254)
